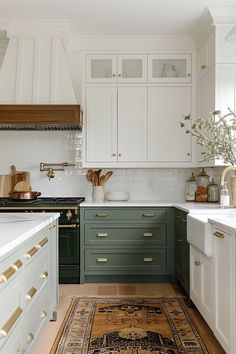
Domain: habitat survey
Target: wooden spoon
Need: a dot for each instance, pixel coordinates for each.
(105, 177)
(98, 172)
(90, 176)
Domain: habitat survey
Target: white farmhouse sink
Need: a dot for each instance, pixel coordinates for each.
(199, 233)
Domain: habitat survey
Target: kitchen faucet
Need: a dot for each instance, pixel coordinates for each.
(51, 167)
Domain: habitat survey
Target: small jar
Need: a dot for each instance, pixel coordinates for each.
(213, 192)
(191, 187)
(202, 184)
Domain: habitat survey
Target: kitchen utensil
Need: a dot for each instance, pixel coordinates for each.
(92, 177)
(5, 185)
(105, 177)
(98, 173)
(119, 195)
(27, 195)
(18, 176)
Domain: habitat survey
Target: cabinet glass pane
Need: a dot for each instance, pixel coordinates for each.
(132, 68)
(101, 68)
(169, 68)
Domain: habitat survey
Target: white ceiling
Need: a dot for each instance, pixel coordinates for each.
(115, 16)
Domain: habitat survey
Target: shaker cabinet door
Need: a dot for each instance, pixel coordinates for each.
(101, 125)
(132, 124)
(167, 141)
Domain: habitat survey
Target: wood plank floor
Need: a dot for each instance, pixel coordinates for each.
(149, 289)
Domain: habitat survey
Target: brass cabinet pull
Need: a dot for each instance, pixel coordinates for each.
(17, 264)
(42, 242)
(148, 259)
(113, 75)
(102, 260)
(31, 252)
(119, 75)
(10, 322)
(148, 234)
(4, 276)
(101, 215)
(180, 217)
(71, 226)
(43, 314)
(102, 234)
(30, 293)
(148, 215)
(179, 240)
(44, 275)
(197, 263)
(219, 234)
(203, 67)
(30, 337)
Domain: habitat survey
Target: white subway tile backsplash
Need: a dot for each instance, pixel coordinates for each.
(26, 149)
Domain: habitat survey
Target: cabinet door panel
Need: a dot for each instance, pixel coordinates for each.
(167, 142)
(132, 124)
(101, 124)
(101, 68)
(132, 68)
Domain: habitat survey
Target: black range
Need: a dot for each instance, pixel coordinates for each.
(69, 232)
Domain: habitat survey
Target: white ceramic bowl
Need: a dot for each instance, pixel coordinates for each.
(117, 196)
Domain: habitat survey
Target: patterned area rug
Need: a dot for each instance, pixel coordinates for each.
(128, 326)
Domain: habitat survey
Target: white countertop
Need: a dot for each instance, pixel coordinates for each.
(185, 206)
(15, 228)
(226, 220)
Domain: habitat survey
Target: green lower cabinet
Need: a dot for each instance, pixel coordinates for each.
(182, 250)
(126, 244)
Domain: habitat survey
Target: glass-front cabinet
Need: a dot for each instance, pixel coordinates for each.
(169, 68)
(116, 68)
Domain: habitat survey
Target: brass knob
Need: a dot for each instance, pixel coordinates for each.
(119, 154)
(203, 67)
(113, 75)
(119, 75)
(197, 263)
(188, 154)
(189, 75)
(113, 154)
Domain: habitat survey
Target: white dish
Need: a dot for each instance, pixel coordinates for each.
(117, 196)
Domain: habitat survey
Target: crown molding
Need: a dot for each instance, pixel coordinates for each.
(223, 15)
(131, 42)
(203, 28)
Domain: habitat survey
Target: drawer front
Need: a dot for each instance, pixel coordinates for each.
(34, 324)
(11, 267)
(116, 234)
(36, 279)
(36, 245)
(123, 260)
(129, 214)
(11, 312)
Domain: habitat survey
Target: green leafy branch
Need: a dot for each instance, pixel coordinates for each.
(215, 133)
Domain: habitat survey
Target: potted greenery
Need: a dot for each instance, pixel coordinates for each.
(217, 135)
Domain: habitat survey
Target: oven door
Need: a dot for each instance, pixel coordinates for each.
(69, 244)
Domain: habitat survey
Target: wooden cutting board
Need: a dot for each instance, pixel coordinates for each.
(5, 185)
(19, 176)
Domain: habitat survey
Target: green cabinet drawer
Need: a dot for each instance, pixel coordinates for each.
(120, 235)
(125, 260)
(129, 214)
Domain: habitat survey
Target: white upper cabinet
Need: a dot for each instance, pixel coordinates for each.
(116, 124)
(116, 68)
(169, 68)
(167, 141)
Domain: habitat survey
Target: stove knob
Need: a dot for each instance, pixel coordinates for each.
(68, 215)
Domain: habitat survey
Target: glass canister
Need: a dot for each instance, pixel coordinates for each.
(202, 186)
(191, 187)
(213, 192)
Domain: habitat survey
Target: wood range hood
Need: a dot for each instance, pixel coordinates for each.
(40, 117)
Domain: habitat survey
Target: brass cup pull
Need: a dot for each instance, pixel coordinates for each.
(102, 234)
(10, 322)
(219, 234)
(30, 337)
(102, 260)
(43, 314)
(4, 276)
(42, 242)
(148, 234)
(17, 264)
(148, 259)
(30, 293)
(101, 215)
(31, 252)
(197, 263)
(44, 275)
(148, 215)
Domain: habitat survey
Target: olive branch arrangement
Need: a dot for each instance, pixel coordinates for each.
(216, 134)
